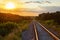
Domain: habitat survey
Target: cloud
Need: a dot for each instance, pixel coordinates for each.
(33, 2)
(47, 2)
(42, 2)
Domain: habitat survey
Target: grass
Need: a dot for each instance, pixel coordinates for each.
(13, 31)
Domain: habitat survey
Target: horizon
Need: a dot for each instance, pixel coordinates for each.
(36, 7)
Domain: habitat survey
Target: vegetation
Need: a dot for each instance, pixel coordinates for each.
(12, 26)
(51, 21)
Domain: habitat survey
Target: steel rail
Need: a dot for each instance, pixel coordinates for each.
(54, 36)
(35, 30)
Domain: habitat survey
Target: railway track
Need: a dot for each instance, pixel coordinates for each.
(41, 33)
(38, 32)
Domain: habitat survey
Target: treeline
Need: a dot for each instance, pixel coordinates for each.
(50, 16)
(5, 17)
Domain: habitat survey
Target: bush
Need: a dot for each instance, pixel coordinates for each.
(6, 28)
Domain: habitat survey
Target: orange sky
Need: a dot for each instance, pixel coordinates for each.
(19, 8)
(22, 8)
(21, 12)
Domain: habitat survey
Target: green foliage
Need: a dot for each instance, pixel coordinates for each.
(6, 28)
(5, 17)
(50, 16)
(24, 25)
(49, 22)
(12, 26)
(13, 29)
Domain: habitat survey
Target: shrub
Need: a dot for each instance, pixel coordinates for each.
(6, 28)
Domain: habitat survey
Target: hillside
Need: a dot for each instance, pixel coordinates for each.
(12, 26)
(4, 17)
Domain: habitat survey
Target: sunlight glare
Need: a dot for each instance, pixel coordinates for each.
(10, 5)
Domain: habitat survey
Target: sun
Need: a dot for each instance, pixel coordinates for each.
(10, 5)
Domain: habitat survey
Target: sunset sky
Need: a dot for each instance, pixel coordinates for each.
(35, 7)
